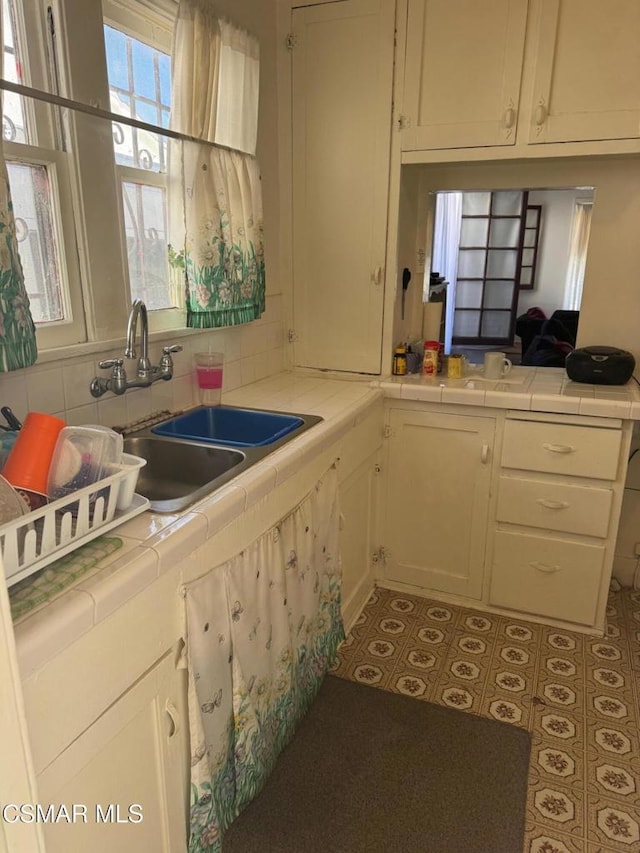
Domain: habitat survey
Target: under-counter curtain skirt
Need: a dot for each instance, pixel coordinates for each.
(262, 631)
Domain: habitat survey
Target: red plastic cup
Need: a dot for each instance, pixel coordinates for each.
(27, 466)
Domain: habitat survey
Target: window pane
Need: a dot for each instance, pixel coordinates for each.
(468, 294)
(35, 230)
(504, 232)
(139, 87)
(466, 324)
(502, 264)
(495, 324)
(506, 203)
(471, 263)
(14, 126)
(146, 236)
(498, 294)
(476, 204)
(473, 232)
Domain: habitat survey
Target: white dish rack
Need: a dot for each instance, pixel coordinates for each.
(31, 542)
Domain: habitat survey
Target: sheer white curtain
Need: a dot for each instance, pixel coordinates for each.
(577, 255)
(446, 243)
(215, 192)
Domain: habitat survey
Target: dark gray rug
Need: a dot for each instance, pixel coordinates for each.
(369, 770)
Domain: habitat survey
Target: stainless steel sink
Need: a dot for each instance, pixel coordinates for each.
(181, 471)
(178, 473)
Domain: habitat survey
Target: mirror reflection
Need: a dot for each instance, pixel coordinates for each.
(511, 263)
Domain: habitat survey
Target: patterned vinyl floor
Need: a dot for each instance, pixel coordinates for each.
(579, 696)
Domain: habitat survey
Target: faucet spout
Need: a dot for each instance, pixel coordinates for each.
(138, 309)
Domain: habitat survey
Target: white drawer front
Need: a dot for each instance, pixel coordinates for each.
(561, 449)
(548, 577)
(554, 506)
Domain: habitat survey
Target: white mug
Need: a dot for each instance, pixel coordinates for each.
(496, 365)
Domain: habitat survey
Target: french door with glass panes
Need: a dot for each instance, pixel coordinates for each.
(490, 266)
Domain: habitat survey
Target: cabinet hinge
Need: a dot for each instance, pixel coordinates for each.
(290, 41)
(292, 337)
(380, 555)
(403, 122)
(388, 431)
(377, 468)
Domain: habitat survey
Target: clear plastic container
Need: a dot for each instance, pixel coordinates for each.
(82, 456)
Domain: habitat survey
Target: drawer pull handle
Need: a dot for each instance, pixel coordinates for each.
(544, 567)
(559, 448)
(552, 504)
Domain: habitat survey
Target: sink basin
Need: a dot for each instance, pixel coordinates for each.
(179, 473)
(231, 426)
(191, 455)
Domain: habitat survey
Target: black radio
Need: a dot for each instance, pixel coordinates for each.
(600, 365)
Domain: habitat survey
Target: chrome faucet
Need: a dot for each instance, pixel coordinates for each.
(146, 373)
(139, 309)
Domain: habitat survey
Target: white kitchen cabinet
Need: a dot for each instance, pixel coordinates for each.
(131, 761)
(512, 72)
(556, 517)
(342, 71)
(357, 506)
(587, 71)
(437, 497)
(462, 73)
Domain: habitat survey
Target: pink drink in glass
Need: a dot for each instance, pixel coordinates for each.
(209, 377)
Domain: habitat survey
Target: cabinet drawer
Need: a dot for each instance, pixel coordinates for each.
(554, 506)
(548, 577)
(561, 449)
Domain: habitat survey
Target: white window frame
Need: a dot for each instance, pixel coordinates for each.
(155, 28)
(31, 18)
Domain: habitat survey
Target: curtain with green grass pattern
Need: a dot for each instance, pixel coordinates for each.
(217, 241)
(17, 330)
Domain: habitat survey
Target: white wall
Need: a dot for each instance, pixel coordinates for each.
(553, 254)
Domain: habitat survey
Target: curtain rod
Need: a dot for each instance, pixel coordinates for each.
(97, 112)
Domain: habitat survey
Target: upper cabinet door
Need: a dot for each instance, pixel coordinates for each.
(587, 73)
(462, 73)
(342, 88)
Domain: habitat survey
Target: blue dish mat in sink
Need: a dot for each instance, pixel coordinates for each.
(230, 425)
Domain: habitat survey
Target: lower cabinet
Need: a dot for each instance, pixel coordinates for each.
(438, 481)
(125, 777)
(357, 507)
(558, 502)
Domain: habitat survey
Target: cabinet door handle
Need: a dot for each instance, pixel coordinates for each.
(173, 719)
(509, 118)
(552, 504)
(376, 276)
(544, 567)
(541, 113)
(559, 448)
(484, 454)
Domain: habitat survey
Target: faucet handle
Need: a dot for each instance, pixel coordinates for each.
(171, 348)
(166, 362)
(116, 363)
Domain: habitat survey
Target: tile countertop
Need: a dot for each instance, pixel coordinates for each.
(153, 543)
(534, 389)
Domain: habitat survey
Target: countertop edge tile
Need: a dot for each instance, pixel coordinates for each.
(121, 580)
(221, 508)
(178, 540)
(43, 635)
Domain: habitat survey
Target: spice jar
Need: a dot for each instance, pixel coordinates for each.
(400, 361)
(430, 359)
(454, 366)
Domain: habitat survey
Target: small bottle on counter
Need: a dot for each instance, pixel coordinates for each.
(430, 359)
(400, 361)
(454, 366)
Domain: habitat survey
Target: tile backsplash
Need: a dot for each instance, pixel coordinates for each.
(252, 352)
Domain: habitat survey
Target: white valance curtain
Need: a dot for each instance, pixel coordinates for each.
(216, 222)
(262, 630)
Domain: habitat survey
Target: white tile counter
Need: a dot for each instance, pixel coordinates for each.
(154, 543)
(535, 389)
